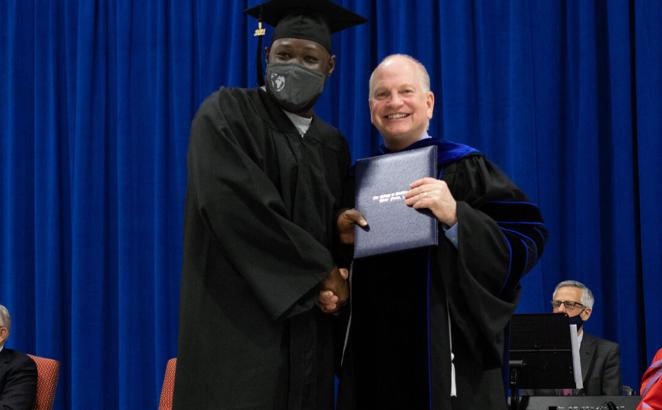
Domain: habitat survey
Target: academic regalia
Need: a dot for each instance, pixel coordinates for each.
(398, 353)
(261, 211)
(260, 218)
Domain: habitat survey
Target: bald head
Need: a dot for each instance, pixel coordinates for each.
(401, 103)
(422, 73)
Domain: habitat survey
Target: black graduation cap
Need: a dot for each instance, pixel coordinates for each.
(312, 20)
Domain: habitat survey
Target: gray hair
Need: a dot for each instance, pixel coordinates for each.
(424, 77)
(5, 317)
(587, 296)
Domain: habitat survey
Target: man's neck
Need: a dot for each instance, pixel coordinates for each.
(302, 124)
(400, 145)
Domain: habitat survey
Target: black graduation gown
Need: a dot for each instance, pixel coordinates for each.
(398, 351)
(260, 217)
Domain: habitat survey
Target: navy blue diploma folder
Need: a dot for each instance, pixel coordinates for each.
(381, 184)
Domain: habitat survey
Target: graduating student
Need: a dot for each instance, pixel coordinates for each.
(265, 178)
(427, 325)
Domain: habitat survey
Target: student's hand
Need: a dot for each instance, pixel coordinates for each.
(346, 222)
(334, 291)
(433, 194)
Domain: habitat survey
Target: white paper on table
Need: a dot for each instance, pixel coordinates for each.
(576, 363)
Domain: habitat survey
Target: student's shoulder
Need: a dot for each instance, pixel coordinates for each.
(230, 97)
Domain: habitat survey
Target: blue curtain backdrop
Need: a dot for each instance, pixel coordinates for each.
(96, 98)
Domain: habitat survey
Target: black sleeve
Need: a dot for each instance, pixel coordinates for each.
(500, 237)
(345, 253)
(496, 219)
(243, 210)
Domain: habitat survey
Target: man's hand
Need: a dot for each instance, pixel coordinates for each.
(434, 195)
(346, 222)
(334, 291)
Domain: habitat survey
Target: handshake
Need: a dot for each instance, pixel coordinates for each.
(334, 290)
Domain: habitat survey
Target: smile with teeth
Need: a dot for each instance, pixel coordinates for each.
(397, 116)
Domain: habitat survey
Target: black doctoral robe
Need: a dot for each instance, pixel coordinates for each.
(260, 223)
(398, 354)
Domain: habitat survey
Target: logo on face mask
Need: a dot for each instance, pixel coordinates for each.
(277, 82)
(294, 87)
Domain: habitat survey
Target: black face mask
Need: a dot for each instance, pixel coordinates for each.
(577, 320)
(296, 88)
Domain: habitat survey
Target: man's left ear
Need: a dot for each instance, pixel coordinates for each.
(267, 50)
(586, 314)
(332, 64)
(429, 102)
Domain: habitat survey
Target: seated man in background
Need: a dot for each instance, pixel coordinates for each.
(600, 359)
(18, 373)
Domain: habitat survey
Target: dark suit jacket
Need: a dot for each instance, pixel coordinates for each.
(601, 366)
(18, 380)
(601, 370)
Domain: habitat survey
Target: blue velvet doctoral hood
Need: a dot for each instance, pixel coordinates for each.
(447, 151)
